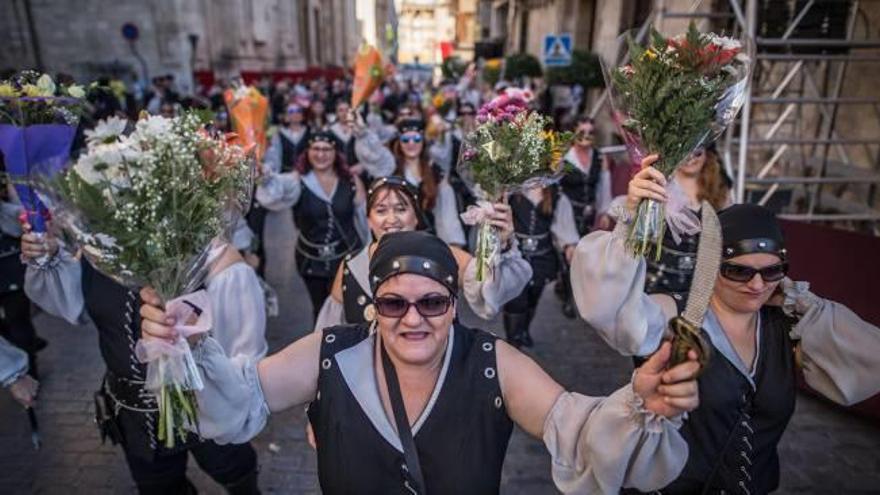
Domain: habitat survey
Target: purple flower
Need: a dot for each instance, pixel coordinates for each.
(469, 155)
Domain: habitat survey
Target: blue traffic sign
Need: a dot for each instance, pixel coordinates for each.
(557, 50)
(130, 31)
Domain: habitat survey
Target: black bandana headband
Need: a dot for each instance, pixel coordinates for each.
(749, 228)
(414, 252)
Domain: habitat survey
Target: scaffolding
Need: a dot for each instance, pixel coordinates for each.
(788, 149)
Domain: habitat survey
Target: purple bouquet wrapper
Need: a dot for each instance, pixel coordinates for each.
(36, 149)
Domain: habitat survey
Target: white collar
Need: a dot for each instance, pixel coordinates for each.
(311, 181)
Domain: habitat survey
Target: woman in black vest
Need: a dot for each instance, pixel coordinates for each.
(436, 196)
(587, 185)
(760, 326)
(328, 210)
(543, 223)
(700, 178)
(393, 206)
(127, 413)
(289, 142)
(424, 405)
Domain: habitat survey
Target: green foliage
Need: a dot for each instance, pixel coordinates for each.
(453, 67)
(522, 65)
(584, 70)
(669, 96)
(491, 75)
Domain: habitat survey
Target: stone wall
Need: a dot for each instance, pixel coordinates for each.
(83, 37)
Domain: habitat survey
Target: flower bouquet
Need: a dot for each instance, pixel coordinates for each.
(509, 150)
(249, 114)
(151, 208)
(38, 120)
(673, 96)
(368, 74)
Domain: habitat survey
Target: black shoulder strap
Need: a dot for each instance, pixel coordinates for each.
(403, 430)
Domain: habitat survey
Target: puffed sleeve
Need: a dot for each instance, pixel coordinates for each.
(239, 328)
(446, 219)
(56, 287)
(279, 191)
(9, 224)
(840, 351)
(330, 315)
(608, 287)
(563, 228)
(509, 277)
(603, 192)
(441, 152)
(272, 159)
(232, 407)
(373, 155)
(13, 363)
(600, 445)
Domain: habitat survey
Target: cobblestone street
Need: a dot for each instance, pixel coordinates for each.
(823, 451)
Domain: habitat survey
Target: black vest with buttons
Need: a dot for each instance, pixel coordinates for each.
(461, 444)
(326, 230)
(532, 226)
(354, 298)
(580, 188)
(673, 272)
(733, 435)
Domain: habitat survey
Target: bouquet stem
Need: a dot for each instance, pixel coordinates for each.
(487, 248)
(647, 229)
(177, 409)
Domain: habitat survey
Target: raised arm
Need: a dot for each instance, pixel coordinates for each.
(840, 351)
(608, 283)
(55, 286)
(279, 191)
(510, 274)
(603, 444)
(240, 391)
(372, 154)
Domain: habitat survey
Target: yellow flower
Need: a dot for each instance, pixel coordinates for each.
(31, 90)
(493, 63)
(650, 53)
(7, 91)
(118, 88)
(438, 100)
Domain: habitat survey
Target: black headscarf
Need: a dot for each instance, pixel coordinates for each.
(749, 228)
(415, 252)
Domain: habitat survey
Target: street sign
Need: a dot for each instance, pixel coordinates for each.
(130, 31)
(557, 50)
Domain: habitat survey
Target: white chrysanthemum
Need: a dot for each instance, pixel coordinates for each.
(46, 85)
(724, 42)
(152, 127)
(241, 92)
(107, 130)
(76, 91)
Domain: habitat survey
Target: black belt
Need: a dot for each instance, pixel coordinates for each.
(129, 394)
(321, 252)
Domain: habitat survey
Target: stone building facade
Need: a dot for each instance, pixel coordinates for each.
(179, 37)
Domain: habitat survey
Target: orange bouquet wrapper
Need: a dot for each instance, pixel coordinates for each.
(248, 111)
(368, 73)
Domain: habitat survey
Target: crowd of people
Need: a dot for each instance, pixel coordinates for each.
(403, 397)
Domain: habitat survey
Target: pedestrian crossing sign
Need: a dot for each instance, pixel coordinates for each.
(557, 50)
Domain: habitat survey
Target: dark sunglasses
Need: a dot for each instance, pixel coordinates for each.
(411, 139)
(466, 113)
(741, 273)
(397, 307)
(293, 110)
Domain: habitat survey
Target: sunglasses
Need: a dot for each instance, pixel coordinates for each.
(428, 306)
(741, 273)
(411, 139)
(466, 113)
(291, 111)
